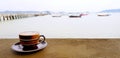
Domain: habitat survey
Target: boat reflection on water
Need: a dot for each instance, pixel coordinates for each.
(56, 15)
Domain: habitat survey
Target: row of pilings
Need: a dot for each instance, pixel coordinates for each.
(6, 17)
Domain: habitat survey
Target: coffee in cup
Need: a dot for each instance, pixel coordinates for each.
(30, 39)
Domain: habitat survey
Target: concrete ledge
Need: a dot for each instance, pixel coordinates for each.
(67, 48)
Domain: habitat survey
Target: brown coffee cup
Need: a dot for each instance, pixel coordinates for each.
(30, 38)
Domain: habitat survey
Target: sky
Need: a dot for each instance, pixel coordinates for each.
(58, 5)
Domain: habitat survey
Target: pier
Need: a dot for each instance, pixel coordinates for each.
(6, 17)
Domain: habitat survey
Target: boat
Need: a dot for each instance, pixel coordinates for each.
(75, 16)
(103, 14)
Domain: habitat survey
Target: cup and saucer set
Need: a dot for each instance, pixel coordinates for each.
(30, 41)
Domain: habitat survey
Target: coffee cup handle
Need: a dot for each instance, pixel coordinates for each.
(43, 38)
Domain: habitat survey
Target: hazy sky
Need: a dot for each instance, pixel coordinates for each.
(58, 5)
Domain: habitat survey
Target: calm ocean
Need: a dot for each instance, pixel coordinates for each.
(90, 26)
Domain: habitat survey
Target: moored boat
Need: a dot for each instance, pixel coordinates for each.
(75, 16)
(103, 14)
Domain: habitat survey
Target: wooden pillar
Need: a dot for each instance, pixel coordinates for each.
(15, 16)
(12, 17)
(18, 16)
(3, 18)
(6, 18)
(0, 18)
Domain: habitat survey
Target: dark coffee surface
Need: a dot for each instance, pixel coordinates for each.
(25, 37)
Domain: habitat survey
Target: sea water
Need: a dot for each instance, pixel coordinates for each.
(89, 26)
